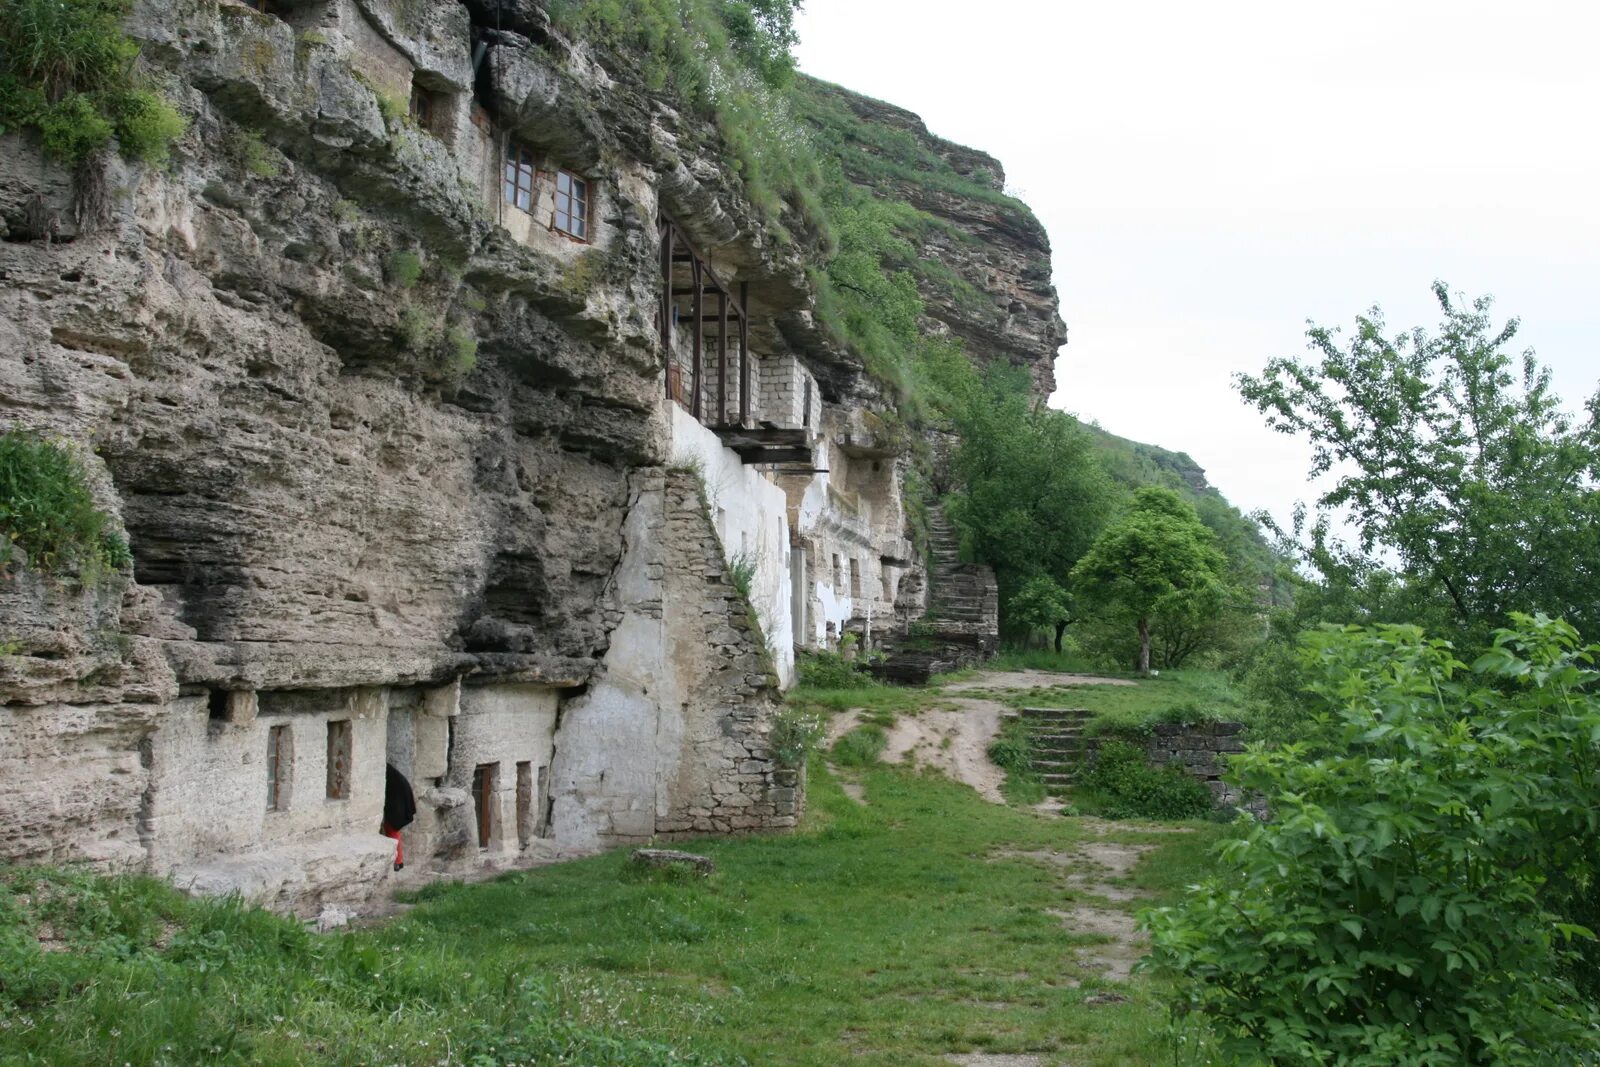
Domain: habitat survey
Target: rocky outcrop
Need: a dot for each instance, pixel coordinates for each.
(372, 439)
(984, 267)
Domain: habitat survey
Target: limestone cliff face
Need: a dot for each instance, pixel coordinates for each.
(984, 273)
(408, 470)
(373, 434)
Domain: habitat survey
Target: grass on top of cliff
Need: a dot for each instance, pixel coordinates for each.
(898, 931)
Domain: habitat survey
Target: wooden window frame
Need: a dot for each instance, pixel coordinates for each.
(341, 745)
(427, 110)
(579, 192)
(485, 784)
(280, 763)
(519, 164)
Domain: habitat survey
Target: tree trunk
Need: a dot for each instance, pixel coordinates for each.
(1144, 645)
(1061, 629)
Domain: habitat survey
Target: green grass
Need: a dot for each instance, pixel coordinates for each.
(1044, 659)
(1172, 696)
(872, 697)
(889, 933)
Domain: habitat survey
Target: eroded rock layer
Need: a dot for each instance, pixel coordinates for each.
(408, 464)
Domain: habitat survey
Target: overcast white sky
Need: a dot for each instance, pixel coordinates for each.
(1212, 175)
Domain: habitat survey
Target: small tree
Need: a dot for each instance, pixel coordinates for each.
(1158, 557)
(1040, 604)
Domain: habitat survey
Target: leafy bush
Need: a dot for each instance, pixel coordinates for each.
(831, 670)
(47, 511)
(404, 269)
(861, 747)
(795, 733)
(1012, 748)
(1121, 784)
(1398, 909)
(67, 70)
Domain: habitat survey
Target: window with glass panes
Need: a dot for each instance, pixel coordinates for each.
(572, 205)
(519, 177)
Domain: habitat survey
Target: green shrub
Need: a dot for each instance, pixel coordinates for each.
(861, 747)
(47, 511)
(404, 269)
(1121, 784)
(742, 573)
(831, 670)
(463, 350)
(67, 70)
(1012, 751)
(248, 150)
(1411, 901)
(1012, 748)
(795, 733)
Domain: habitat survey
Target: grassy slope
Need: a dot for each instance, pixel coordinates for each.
(882, 934)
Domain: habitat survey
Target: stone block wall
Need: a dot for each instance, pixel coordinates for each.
(784, 386)
(726, 778)
(1201, 750)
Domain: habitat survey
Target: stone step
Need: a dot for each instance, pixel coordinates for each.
(1051, 719)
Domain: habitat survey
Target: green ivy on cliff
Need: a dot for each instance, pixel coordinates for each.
(47, 511)
(68, 71)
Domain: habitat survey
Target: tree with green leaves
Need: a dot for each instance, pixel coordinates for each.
(1159, 558)
(1032, 496)
(1453, 460)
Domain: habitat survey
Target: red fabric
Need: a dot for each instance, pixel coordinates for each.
(399, 845)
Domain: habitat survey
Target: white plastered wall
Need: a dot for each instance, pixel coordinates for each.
(751, 516)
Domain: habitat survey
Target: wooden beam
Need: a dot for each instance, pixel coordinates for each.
(705, 264)
(667, 241)
(722, 360)
(776, 455)
(744, 356)
(699, 340)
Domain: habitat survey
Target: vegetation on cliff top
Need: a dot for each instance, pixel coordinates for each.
(68, 71)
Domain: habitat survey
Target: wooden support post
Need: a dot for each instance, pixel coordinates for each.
(722, 358)
(666, 300)
(744, 354)
(699, 339)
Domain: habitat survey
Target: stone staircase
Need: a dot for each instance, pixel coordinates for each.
(1058, 745)
(961, 623)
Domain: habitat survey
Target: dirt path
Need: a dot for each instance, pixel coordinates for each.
(953, 739)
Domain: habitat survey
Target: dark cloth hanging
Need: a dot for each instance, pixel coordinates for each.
(399, 804)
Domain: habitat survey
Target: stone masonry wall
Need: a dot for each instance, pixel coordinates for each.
(730, 780)
(1201, 750)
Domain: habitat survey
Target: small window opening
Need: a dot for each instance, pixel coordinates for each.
(431, 111)
(572, 205)
(217, 705)
(525, 814)
(838, 573)
(266, 7)
(484, 784)
(519, 176)
(280, 757)
(855, 578)
(339, 753)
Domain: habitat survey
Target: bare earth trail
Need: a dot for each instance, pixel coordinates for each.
(952, 735)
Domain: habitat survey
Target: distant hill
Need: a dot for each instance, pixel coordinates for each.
(1133, 464)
